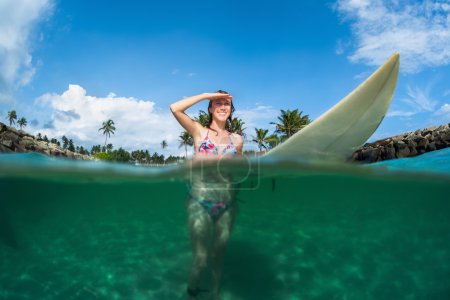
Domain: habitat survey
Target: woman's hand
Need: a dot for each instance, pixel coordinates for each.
(214, 96)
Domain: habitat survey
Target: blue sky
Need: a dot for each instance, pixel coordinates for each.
(69, 65)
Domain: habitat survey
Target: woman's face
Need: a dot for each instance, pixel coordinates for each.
(220, 109)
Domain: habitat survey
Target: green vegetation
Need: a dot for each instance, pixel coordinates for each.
(102, 156)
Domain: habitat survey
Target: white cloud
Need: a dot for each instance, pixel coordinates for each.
(340, 47)
(444, 109)
(362, 75)
(446, 93)
(18, 18)
(257, 117)
(420, 100)
(139, 124)
(400, 113)
(444, 113)
(419, 30)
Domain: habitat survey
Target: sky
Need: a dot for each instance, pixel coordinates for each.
(67, 66)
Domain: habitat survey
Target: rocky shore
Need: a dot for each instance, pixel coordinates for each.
(406, 145)
(13, 140)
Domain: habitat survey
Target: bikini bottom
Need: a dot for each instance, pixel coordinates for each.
(214, 208)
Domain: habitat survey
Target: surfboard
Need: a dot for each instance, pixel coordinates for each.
(349, 123)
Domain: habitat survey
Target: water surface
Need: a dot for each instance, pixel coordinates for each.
(305, 230)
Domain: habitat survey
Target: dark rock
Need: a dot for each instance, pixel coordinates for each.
(9, 135)
(411, 143)
(69, 154)
(421, 151)
(413, 151)
(445, 135)
(31, 146)
(7, 143)
(431, 146)
(402, 150)
(405, 145)
(13, 130)
(401, 145)
(390, 152)
(421, 142)
(20, 148)
(4, 149)
(439, 144)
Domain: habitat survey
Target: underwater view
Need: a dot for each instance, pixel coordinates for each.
(304, 230)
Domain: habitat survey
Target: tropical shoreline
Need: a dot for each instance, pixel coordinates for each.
(409, 144)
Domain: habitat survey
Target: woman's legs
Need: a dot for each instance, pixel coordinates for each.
(222, 232)
(200, 224)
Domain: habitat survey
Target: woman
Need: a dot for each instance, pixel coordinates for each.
(210, 205)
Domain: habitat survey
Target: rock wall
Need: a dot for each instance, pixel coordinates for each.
(13, 140)
(406, 145)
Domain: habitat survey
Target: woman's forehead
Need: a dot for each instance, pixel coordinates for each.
(221, 100)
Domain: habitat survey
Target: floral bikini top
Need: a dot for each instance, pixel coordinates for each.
(208, 147)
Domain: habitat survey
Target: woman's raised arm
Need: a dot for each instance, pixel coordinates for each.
(180, 106)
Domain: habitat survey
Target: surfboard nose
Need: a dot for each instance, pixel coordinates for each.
(350, 122)
(394, 59)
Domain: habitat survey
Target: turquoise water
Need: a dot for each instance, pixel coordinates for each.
(305, 230)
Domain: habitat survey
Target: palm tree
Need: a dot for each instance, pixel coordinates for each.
(261, 138)
(12, 116)
(109, 148)
(108, 128)
(138, 156)
(290, 123)
(164, 144)
(95, 149)
(65, 142)
(22, 122)
(186, 140)
(203, 118)
(236, 126)
(273, 140)
(71, 146)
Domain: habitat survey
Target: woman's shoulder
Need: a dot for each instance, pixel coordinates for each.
(237, 138)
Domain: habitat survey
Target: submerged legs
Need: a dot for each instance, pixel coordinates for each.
(201, 227)
(222, 233)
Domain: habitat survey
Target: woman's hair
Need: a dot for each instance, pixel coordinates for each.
(210, 115)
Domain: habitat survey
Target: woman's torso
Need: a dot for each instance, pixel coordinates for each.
(206, 146)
